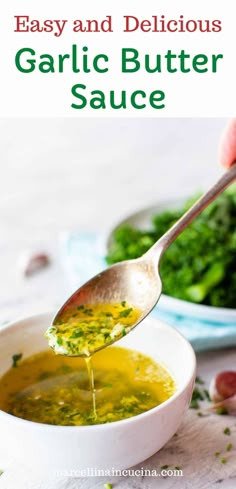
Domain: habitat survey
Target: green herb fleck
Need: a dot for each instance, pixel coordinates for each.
(107, 486)
(125, 313)
(223, 460)
(123, 303)
(221, 411)
(196, 396)
(207, 395)
(177, 467)
(80, 307)
(15, 359)
(199, 381)
(77, 333)
(194, 404)
(227, 431)
(88, 311)
(51, 330)
(164, 467)
(44, 375)
(229, 447)
(217, 454)
(59, 341)
(1, 472)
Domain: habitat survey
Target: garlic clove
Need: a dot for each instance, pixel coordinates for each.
(35, 262)
(229, 405)
(223, 385)
(213, 392)
(222, 391)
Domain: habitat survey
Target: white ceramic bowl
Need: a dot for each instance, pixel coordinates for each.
(120, 444)
(142, 220)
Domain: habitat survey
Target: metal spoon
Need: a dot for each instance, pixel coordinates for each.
(138, 281)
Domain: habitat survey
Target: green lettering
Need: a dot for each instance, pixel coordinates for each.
(48, 65)
(156, 98)
(215, 58)
(198, 61)
(78, 95)
(97, 59)
(61, 59)
(122, 104)
(30, 62)
(98, 102)
(133, 99)
(133, 59)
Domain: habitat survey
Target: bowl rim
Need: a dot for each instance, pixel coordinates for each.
(168, 303)
(104, 426)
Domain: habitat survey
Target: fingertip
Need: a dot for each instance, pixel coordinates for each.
(227, 149)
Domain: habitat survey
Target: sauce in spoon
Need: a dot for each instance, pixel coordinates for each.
(82, 330)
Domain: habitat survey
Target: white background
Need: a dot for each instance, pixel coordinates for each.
(190, 95)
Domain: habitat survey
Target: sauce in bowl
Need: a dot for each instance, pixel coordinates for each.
(55, 389)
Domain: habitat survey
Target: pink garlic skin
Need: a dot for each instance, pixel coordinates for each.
(214, 394)
(35, 263)
(228, 404)
(222, 391)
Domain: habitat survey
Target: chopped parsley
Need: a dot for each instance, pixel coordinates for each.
(207, 395)
(223, 460)
(221, 411)
(77, 333)
(199, 380)
(199, 265)
(85, 329)
(227, 431)
(15, 359)
(125, 313)
(196, 396)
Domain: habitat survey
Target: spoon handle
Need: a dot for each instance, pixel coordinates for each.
(162, 244)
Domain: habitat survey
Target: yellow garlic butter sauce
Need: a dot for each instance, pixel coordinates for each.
(55, 389)
(84, 329)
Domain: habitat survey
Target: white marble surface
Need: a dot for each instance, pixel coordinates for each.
(86, 174)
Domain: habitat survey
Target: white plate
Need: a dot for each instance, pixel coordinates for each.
(142, 220)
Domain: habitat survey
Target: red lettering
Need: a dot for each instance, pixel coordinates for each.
(21, 21)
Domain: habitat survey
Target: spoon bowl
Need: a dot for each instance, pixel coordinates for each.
(138, 281)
